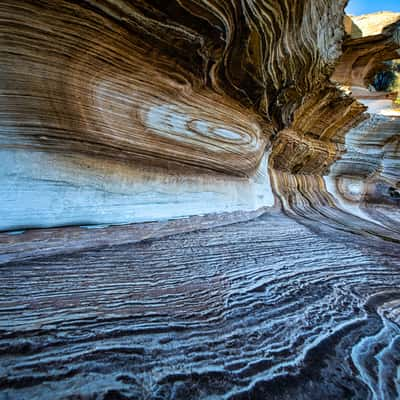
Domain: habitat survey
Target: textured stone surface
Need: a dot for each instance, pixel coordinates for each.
(366, 181)
(44, 190)
(128, 111)
(259, 309)
(372, 39)
(117, 111)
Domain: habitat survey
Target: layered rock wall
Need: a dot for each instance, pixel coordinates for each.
(119, 111)
(365, 181)
(107, 106)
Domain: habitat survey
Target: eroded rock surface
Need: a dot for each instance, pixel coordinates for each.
(371, 39)
(260, 309)
(179, 93)
(115, 112)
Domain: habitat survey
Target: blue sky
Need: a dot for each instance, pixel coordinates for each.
(358, 7)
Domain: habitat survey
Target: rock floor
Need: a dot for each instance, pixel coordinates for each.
(260, 309)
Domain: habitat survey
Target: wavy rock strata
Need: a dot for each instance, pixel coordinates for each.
(130, 111)
(103, 97)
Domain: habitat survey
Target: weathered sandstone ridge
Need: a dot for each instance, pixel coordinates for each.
(371, 40)
(121, 111)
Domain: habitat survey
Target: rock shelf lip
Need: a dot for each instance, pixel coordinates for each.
(36, 243)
